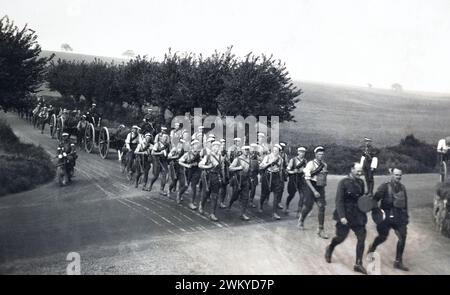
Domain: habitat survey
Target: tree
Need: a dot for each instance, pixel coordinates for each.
(397, 87)
(21, 69)
(258, 86)
(66, 47)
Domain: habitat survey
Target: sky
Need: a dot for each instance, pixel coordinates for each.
(352, 42)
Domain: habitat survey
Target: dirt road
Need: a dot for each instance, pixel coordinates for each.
(119, 229)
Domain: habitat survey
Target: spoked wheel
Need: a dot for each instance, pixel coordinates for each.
(53, 125)
(443, 171)
(103, 142)
(59, 127)
(89, 137)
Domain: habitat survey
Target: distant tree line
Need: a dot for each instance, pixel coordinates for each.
(221, 84)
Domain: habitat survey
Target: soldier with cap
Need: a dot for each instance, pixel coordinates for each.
(316, 179)
(190, 161)
(263, 150)
(160, 165)
(255, 160)
(176, 171)
(241, 167)
(235, 149)
(272, 165)
(394, 202)
(143, 159)
(93, 115)
(369, 161)
(442, 149)
(176, 134)
(212, 165)
(226, 174)
(199, 135)
(348, 216)
(296, 181)
(69, 148)
(131, 142)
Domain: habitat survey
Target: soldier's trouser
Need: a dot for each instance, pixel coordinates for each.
(130, 159)
(214, 185)
(160, 167)
(253, 185)
(368, 175)
(244, 195)
(265, 190)
(383, 231)
(193, 177)
(310, 199)
(143, 169)
(342, 233)
(274, 184)
(296, 183)
(180, 179)
(223, 192)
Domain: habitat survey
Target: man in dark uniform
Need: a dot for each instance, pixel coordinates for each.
(190, 161)
(69, 148)
(272, 165)
(212, 165)
(81, 127)
(296, 181)
(394, 202)
(94, 116)
(316, 180)
(241, 166)
(348, 216)
(369, 161)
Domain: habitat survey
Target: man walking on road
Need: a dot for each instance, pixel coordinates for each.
(348, 216)
(316, 179)
(394, 202)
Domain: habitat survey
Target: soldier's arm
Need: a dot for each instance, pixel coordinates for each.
(381, 192)
(182, 161)
(202, 163)
(127, 142)
(234, 165)
(290, 167)
(340, 193)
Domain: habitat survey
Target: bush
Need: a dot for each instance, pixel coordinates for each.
(23, 165)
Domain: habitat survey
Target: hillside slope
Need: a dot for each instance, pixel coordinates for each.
(343, 115)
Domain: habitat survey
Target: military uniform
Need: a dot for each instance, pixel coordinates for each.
(131, 142)
(394, 202)
(273, 178)
(212, 182)
(349, 190)
(296, 182)
(177, 175)
(143, 162)
(255, 160)
(243, 183)
(369, 161)
(191, 158)
(316, 172)
(160, 164)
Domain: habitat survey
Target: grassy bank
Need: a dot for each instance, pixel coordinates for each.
(23, 166)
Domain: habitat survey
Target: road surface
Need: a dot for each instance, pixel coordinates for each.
(118, 229)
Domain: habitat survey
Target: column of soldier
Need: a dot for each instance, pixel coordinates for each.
(203, 163)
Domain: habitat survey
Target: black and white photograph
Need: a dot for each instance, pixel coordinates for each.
(225, 138)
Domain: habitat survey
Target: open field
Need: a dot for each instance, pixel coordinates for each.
(344, 114)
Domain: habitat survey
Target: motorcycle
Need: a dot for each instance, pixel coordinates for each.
(63, 170)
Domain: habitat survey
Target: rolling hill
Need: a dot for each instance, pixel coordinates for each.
(343, 115)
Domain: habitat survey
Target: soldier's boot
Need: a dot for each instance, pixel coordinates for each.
(213, 217)
(328, 254)
(322, 234)
(398, 264)
(275, 216)
(200, 209)
(260, 208)
(358, 267)
(192, 206)
(244, 217)
(178, 198)
(222, 205)
(279, 206)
